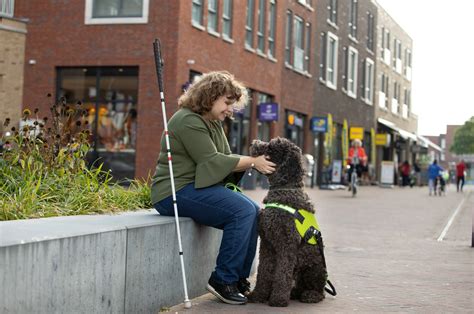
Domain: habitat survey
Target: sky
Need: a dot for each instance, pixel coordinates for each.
(443, 59)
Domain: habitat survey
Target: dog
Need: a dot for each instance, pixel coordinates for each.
(289, 267)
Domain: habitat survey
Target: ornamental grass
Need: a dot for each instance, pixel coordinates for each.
(44, 173)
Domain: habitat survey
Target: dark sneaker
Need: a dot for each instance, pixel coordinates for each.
(244, 286)
(226, 293)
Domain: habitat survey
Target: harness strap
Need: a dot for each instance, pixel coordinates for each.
(309, 234)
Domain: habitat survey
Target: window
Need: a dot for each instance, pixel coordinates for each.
(351, 74)
(7, 8)
(407, 67)
(289, 37)
(197, 12)
(331, 60)
(406, 104)
(383, 93)
(227, 19)
(370, 31)
(307, 46)
(332, 8)
(109, 100)
(385, 53)
(249, 24)
(396, 97)
(369, 81)
(353, 20)
(261, 26)
(298, 52)
(116, 11)
(397, 55)
(212, 10)
(322, 60)
(306, 3)
(271, 30)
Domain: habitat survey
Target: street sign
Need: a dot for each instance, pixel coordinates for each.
(318, 124)
(382, 139)
(356, 133)
(268, 112)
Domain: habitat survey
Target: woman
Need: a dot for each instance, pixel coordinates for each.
(202, 163)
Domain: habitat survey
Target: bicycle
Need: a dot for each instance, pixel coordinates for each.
(353, 180)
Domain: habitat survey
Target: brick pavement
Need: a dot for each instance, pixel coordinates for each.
(383, 254)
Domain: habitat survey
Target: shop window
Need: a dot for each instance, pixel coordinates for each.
(109, 99)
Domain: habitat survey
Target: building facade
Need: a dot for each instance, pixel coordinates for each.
(300, 59)
(393, 106)
(344, 84)
(107, 64)
(12, 53)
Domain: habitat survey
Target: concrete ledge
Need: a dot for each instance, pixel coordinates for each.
(126, 263)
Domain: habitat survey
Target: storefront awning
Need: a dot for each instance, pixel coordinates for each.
(426, 142)
(403, 133)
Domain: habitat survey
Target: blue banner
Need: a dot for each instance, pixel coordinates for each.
(319, 124)
(268, 112)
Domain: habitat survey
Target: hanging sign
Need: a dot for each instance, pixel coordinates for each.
(356, 133)
(319, 124)
(268, 112)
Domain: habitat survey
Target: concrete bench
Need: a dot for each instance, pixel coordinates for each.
(124, 263)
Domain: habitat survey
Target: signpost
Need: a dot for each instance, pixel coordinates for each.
(387, 174)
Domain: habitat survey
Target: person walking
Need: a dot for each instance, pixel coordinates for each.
(202, 165)
(417, 170)
(460, 169)
(433, 173)
(405, 172)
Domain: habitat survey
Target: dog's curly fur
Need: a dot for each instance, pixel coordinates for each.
(289, 267)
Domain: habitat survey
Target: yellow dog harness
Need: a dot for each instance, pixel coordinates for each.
(306, 223)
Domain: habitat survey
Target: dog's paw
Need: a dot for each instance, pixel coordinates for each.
(278, 303)
(254, 297)
(311, 296)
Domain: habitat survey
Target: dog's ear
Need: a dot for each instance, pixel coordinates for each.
(258, 148)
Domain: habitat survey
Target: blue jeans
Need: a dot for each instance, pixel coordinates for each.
(221, 208)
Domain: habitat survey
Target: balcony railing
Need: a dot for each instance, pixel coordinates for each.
(6, 8)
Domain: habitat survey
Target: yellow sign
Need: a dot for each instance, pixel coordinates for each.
(356, 133)
(381, 139)
(291, 119)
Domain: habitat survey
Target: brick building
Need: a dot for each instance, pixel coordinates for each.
(299, 58)
(393, 106)
(12, 52)
(101, 54)
(344, 83)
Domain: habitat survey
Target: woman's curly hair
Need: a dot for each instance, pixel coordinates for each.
(208, 88)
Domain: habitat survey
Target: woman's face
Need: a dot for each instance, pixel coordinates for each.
(221, 108)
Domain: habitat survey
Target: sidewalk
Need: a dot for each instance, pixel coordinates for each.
(383, 255)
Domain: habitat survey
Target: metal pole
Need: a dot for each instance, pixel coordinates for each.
(159, 65)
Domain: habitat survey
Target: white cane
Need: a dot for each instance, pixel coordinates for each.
(159, 64)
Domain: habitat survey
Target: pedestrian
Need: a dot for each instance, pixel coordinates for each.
(433, 174)
(460, 169)
(202, 164)
(405, 172)
(417, 169)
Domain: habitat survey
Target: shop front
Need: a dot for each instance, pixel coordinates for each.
(108, 96)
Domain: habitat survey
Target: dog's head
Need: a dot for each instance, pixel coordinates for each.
(287, 157)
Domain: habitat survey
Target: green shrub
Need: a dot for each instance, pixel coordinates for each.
(43, 170)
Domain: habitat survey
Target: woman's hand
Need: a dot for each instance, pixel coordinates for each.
(264, 165)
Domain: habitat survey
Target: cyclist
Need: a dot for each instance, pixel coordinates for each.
(357, 158)
(433, 173)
